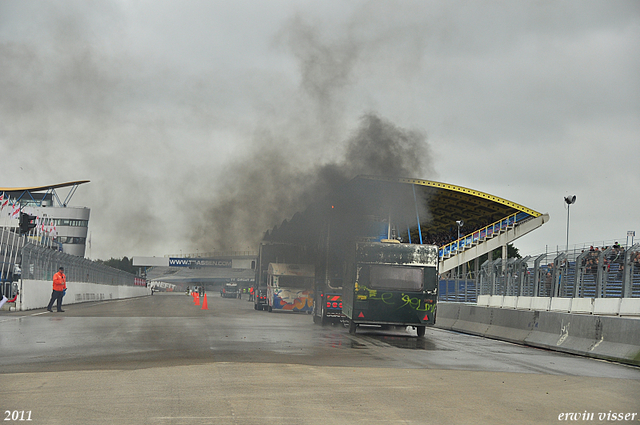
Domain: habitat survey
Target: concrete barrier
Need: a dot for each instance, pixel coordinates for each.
(582, 306)
(473, 320)
(560, 304)
(571, 333)
(447, 314)
(540, 303)
(37, 293)
(511, 325)
(618, 337)
(509, 301)
(496, 300)
(599, 306)
(606, 306)
(630, 307)
(524, 303)
(610, 338)
(483, 300)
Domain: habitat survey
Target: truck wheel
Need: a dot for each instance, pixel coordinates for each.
(421, 330)
(352, 327)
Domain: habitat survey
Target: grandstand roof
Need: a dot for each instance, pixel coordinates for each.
(43, 188)
(448, 203)
(445, 203)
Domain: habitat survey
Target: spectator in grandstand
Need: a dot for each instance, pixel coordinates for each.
(592, 266)
(547, 279)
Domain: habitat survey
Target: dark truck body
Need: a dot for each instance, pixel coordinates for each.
(391, 284)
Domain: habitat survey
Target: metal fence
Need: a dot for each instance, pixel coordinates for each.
(10, 244)
(41, 263)
(613, 272)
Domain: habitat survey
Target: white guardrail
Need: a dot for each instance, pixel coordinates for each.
(597, 306)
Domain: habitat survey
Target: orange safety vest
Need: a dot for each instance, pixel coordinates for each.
(59, 281)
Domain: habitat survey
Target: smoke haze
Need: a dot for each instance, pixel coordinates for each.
(268, 188)
(184, 116)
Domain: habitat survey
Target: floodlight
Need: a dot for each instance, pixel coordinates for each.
(570, 199)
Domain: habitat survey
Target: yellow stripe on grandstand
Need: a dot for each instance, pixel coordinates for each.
(41, 188)
(451, 187)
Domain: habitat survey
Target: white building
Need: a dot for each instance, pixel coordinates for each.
(71, 223)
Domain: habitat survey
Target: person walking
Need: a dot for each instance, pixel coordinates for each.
(59, 285)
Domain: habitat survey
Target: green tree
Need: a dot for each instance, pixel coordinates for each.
(512, 252)
(124, 264)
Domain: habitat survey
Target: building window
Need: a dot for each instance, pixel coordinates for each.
(73, 240)
(71, 223)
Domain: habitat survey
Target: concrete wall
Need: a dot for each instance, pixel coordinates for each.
(604, 337)
(600, 306)
(37, 293)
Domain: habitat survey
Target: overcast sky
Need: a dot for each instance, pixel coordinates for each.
(174, 109)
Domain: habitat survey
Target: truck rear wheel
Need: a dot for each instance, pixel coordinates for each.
(352, 327)
(420, 330)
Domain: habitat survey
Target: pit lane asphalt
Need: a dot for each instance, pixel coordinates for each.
(162, 359)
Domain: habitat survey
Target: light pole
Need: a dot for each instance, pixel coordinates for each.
(460, 223)
(570, 199)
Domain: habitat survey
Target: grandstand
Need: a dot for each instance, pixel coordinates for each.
(418, 211)
(607, 272)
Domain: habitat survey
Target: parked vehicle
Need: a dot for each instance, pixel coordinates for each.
(290, 287)
(389, 283)
(271, 252)
(230, 290)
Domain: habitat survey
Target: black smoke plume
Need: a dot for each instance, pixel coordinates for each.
(266, 189)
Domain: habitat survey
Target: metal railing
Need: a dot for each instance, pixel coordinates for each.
(10, 244)
(41, 263)
(483, 234)
(613, 272)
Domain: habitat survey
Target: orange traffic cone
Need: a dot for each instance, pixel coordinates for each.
(197, 299)
(204, 303)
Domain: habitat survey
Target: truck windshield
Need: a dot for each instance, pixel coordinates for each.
(396, 278)
(295, 282)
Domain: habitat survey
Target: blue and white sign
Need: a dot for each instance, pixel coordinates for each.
(199, 262)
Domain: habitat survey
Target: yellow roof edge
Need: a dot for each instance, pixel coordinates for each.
(455, 188)
(40, 188)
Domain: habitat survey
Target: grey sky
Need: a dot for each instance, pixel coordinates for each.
(169, 108)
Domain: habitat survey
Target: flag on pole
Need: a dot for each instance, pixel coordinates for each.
(4, 201)
(15, 212)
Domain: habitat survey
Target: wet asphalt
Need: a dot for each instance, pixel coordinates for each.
(156, 356)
